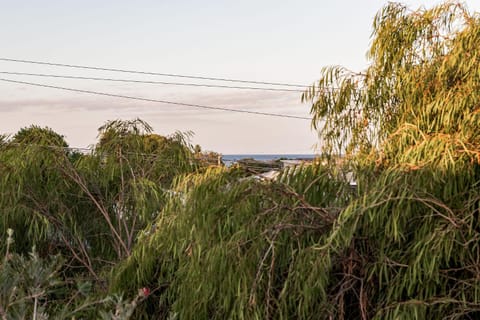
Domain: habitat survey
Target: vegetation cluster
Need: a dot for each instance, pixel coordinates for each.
(144, 227)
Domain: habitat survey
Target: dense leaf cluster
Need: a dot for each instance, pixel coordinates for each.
(402, 242)
(404, 245)
(90, 206)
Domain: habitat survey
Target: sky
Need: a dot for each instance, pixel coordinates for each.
(262, 40)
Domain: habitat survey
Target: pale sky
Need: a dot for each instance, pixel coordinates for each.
(262, 40)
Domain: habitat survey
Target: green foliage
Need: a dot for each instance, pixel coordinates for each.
(25, 285)
(419, 94)
(132, 143)
(404, 246)
(3, 140)
(32, 288)
(235, 247)
(88, 207)
(32, 188)
(39, 136)
(408, 244)
(208, 242)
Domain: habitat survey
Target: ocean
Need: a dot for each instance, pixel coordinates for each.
(230, 158)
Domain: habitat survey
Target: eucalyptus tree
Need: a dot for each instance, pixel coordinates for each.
(410, 124)
(88, 207)
(32, 287)
(230, 246)
(35, 135)
(127, 178)
(404, 245)
(422, 84)
(32, 189)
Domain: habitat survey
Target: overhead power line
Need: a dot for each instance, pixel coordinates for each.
(155, 100)
(92, 149)
(146, 82)
(87, 150)
(154, 73)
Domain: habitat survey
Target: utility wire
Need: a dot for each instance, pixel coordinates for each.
(154, 73)
(87, 150)
(156, 101)
(147, 82)
(54, 147)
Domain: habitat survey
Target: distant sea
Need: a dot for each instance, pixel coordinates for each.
(230, 158)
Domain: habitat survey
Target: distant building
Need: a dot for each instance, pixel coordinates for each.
(292, 163)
